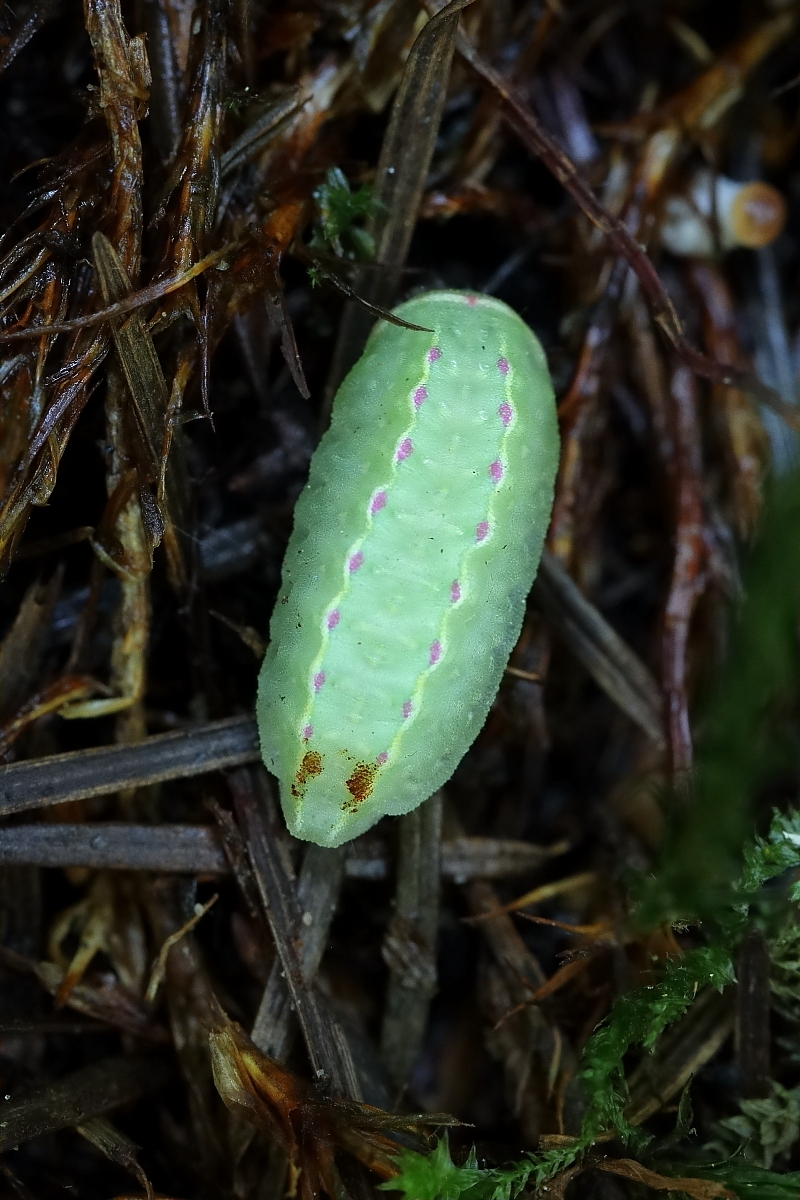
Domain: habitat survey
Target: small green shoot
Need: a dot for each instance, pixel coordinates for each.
(338, 210)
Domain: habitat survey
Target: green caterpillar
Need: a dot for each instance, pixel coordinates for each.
(415, 543)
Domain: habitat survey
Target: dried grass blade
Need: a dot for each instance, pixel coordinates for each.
(33, 20)
(611, 662)
(466, 858)
(146, 295)
(535, 1040)
(409, 946)
(168, 85)
(160, 966)
(698, 1189)
(32, 484)
(85, 1093)
(318, 890)
(124, 75)
(117, 1147)
(403, 166)
(559, 887)
(200, 850)
(116, 846)
(266, 126)
(21, 648)
(85, 773)
(279, 315)
(136, 353)
(329, 1053)
(408, 146)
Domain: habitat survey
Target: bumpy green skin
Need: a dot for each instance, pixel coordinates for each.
(415, 543)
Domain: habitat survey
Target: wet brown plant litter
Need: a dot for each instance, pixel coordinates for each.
(203, 206)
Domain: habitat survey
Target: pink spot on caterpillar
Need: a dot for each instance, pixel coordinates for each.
(420, 395)
(404, 449)
(505, 414)
(308, 733)
(319, 679)
(455, 592)
(333, 618)
(435, 653)
(407, 707)
(433, 354)
(382, 757)
(472, 301)
(502, 366)
(355, 561)
(378, 502)
(481, 531)
(496, 471)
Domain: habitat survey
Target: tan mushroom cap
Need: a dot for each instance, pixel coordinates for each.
(757, 215)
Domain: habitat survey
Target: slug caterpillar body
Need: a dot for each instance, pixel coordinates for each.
(415, 543)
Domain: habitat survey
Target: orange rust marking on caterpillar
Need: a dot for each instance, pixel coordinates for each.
(308, 769)
(359, 785)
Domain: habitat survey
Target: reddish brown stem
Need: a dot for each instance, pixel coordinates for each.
(689, 564)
